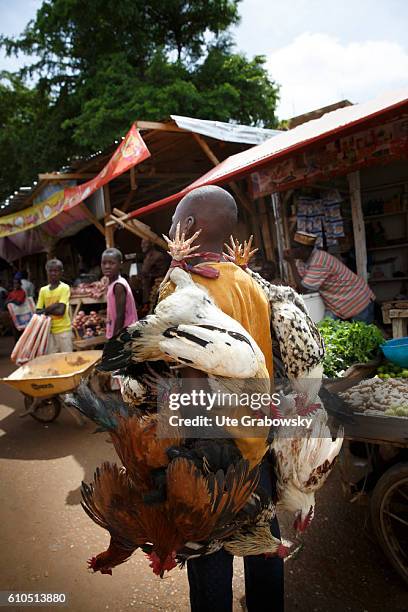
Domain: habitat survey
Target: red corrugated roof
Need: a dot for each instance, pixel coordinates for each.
(293, 140)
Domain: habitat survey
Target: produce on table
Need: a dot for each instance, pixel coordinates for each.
(399, 411)
(94, 290)
(89, 326)
(378, 395)
(391, 370)
(348, 343)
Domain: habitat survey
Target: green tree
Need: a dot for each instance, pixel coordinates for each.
(31, 140)
(100, 65)
(225, 87)
(70, 36)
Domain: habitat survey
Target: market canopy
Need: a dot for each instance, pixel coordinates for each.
(228, 132)
(181, 150)
(333, 124)
(131, 151)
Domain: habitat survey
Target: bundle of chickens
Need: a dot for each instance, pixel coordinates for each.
(95, 290)
(89, 325)
(178, 498)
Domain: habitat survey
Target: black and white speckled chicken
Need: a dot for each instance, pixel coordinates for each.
(300, 343)
(304, 458)
(145, 384)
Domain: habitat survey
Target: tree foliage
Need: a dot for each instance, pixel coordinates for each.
(100, 65)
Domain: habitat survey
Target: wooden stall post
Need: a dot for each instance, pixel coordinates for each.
(358, 223)
(109, 232)
(133, 182)
(214, 159)
(92, 218)
(136, 227)
(267, 238)
(280, 236)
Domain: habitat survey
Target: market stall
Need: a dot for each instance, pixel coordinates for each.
(342, 177)
(89, 324)
(370, 400)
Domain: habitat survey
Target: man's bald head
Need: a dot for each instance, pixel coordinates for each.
(210, 209)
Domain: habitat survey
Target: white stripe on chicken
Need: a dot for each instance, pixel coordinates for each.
(187, 327)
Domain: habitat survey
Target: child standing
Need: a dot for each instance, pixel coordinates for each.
(53, 300)
(121, 305)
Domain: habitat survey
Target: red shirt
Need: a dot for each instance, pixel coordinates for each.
(18, 296)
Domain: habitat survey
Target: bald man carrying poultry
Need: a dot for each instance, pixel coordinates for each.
(212, 211)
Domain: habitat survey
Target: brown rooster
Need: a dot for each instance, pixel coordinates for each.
(108, 501)
(198, 508)
(167, 503)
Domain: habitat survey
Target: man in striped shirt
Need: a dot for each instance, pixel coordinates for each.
(345, 295)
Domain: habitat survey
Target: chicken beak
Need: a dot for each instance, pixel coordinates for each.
(298, 521)
(302, 522)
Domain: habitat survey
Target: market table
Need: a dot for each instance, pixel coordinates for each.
(86, 344)
(81, 301)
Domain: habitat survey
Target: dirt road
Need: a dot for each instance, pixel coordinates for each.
(47, 538)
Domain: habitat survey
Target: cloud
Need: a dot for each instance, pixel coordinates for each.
(317, 69)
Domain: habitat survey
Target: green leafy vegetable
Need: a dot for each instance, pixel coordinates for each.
(348, 343)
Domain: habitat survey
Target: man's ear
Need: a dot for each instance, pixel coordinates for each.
(189, 225)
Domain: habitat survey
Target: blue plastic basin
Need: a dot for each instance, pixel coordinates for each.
(396, 351)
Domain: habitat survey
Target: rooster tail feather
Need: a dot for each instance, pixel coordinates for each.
(88, 505)
(103, 412)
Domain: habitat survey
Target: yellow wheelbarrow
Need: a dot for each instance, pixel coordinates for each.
(44, 381)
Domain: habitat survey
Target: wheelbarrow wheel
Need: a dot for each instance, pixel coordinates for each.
(44, 411)
(389, 515)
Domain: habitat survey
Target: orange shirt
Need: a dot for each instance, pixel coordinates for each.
(241, 298)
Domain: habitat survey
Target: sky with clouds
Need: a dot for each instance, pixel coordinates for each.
(319, 51)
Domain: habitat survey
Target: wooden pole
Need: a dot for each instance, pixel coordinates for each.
(214, 159)
(272, 228)
(267, 239)
(280, 236)
(109, 232)
(156, 125)
(358, 223)
(283, 203)
(133, 182)
(136, 227)
(92, 218)
(283, 208)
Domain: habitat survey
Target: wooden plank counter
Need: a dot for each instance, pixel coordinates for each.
(86, 344)
(81, 301)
